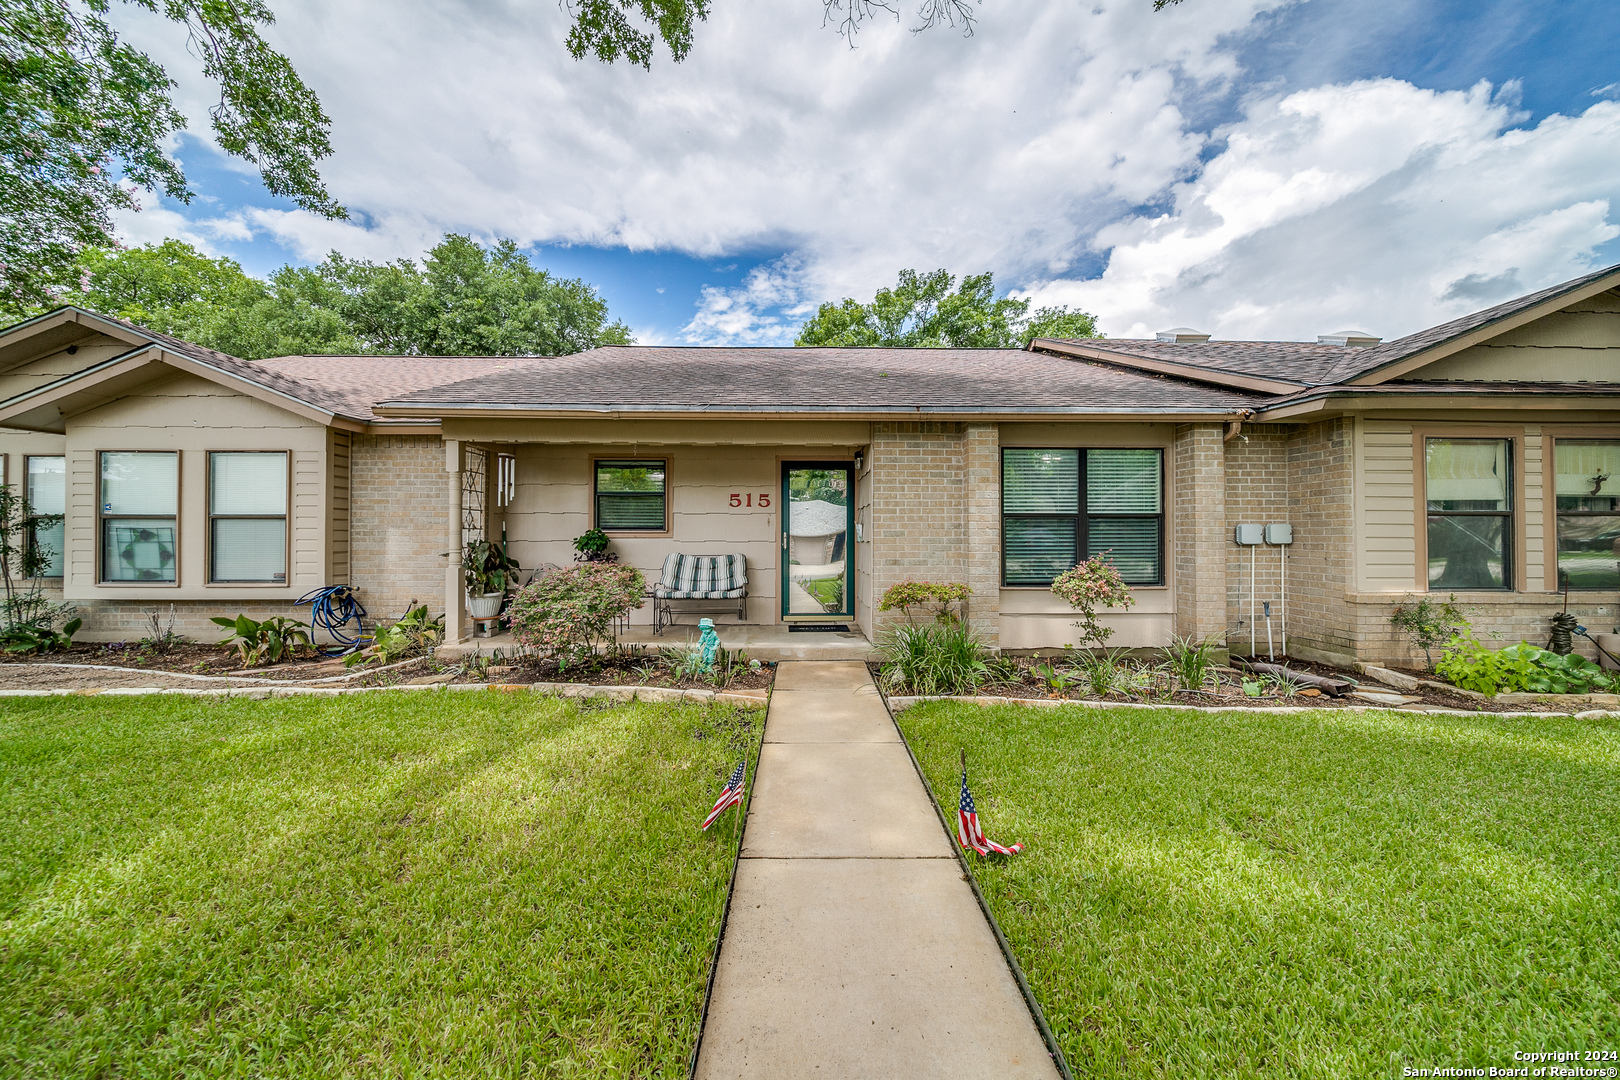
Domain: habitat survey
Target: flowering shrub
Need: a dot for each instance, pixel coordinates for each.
(1093, 584)
(939, 594)
(569, 613)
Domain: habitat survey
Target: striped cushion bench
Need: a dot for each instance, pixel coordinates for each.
(700, 577)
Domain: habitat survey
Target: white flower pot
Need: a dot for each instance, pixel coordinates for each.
(485, 607)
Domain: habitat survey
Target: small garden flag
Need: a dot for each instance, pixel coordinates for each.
(970, 832)
(731, 796)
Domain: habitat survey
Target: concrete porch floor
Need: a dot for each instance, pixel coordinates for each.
(761, 641)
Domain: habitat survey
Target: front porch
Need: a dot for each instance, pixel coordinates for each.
(761, 641)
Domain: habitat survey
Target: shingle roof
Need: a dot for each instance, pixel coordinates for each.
(352, 384)
(622, 377)
(1310, 364)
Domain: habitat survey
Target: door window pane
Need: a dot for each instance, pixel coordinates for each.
(146, 484)
(630, 496)
(1122, 481)
(47, 494)
(818, 541)
(138, 549)
(248, 483)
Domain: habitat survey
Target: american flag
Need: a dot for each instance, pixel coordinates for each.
(731, 796)
(968, 830)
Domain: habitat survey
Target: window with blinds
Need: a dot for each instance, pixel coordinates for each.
(47, 497)
(630, 496)
(247, 517)
(1060, 506)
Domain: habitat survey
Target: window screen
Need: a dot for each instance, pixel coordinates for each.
(1469, 494)
(630, 496)
(1587, 483)
(47, 495)
(140, 493)
(1045, 531)
(247, 524)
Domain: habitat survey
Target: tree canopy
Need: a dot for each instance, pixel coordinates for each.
(461, 300)
(86, 117)
(925, 311)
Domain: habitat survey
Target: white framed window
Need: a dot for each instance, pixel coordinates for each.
(140, 498)
(45, 477)
(247, 516)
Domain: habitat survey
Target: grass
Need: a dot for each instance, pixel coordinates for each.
(1328, 894)
(828, 592)
(476, 885)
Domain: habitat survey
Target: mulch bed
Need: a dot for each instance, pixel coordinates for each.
(619, 671)
(1227, 689)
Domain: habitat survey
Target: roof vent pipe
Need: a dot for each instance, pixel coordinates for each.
(1183, 335)
(1351, 338)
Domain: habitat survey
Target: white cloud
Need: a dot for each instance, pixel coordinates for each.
(765, 310)
(1374, 205)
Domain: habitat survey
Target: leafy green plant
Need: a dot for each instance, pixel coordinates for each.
(1521, 668)
(487, 568)
(1005, 670)
(592, 547)
(935, 596)
(412, 633)
(1093, 584)
(945, 658)
(256, 642)
(1429, 624)
(29, 638)
(1192, 660)
(1153, 683)
(28, 614)
(571, 613)
(685, 663)
(1057, 679)
(1254, 687)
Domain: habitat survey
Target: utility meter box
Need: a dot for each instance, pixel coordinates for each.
(1249, 535)
(1279, 532)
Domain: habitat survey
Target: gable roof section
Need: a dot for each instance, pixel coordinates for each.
(1287, 367)
(642, 380)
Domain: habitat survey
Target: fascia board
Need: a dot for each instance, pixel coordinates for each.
(1191, 372)
(15, 338)
(1342, 401)
(1394, 369)
(447, 410)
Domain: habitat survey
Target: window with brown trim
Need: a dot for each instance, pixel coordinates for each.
(630, 495)
(247, 517)
(46, 478)
(1468, 493)
(1586, 483)
(140, 499)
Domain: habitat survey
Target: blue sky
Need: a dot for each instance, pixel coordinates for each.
(1258, 168)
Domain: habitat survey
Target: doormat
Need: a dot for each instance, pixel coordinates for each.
(818, 628)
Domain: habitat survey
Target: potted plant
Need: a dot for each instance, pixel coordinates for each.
(489, 571)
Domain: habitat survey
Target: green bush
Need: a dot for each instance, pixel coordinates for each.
(34, 638)
(570, 613)
(1429, 623)
(272, 640)
(1192, 660)
(1095, 583)
(938, 595)
(1521, 668)
(944, 658)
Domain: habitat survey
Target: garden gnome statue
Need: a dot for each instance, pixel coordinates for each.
(708, 641)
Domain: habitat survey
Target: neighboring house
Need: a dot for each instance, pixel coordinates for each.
(1480, 458)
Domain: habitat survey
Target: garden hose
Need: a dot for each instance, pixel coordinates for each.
(332, 608)
(1562, 640)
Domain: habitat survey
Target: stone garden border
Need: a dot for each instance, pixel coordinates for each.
(900, 703)
(745, 699)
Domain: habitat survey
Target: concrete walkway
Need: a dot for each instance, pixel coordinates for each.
(854, 946)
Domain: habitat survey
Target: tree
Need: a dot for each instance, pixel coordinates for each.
(84, 112)
(922, 311)
(462, 300)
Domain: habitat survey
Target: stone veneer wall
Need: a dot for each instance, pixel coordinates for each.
(398, 508)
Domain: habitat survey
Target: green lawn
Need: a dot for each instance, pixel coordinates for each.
(1327, 894)
(382, 885)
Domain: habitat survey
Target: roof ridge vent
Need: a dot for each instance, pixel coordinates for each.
(1350, 338)
(1183, 335)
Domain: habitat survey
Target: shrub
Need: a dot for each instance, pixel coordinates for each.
(257, 642)
(1428, 624)
(1103, 670)
(591, 546)
(1191, 660)
(27, 614)
(946, 658)
(1521, 668)
(30, 638)
(685, 662)
(570, 614)
(1093, 584)
(938, 595)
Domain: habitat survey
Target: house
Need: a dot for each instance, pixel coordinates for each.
(1479, 458)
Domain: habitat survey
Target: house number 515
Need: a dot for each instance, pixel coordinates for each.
(763, 499)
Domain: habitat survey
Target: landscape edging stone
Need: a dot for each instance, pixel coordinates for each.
(261, 693)
(899, 703)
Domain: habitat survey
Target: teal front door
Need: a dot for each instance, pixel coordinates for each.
(818, 526)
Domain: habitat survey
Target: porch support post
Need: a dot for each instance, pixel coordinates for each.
(981, 466)
(1198, 530)
(455, 622)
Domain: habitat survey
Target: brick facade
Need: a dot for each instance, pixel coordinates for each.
(1198, 531)
(398, 522)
